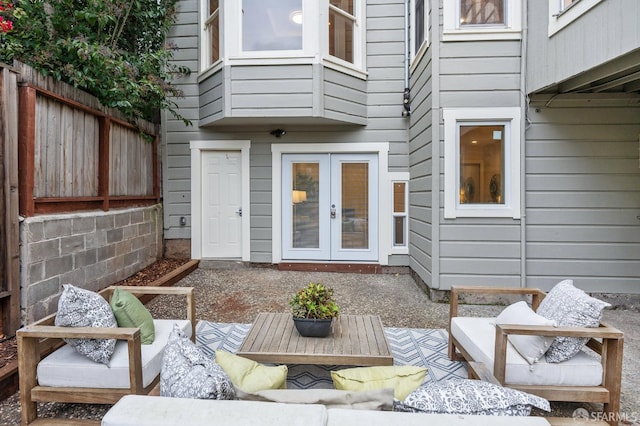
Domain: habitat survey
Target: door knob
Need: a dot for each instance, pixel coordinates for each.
(239, 212)
(333, 211)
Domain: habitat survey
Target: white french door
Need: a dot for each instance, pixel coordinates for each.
(330, 207)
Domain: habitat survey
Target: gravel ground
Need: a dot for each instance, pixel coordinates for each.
(239, 295)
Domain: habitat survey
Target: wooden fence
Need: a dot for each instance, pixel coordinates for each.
(78, 156)
(9, 227)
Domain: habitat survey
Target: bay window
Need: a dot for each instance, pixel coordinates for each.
(284, 31)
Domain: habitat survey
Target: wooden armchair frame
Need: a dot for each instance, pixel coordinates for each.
(43, 337)
(605, 340)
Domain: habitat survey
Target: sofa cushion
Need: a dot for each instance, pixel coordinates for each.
(464, 396)
(251, 376)
(340, 417)
(137, 410)
(532, 348)
(130, 312)
(78, 307)
(187, 372)
(378, 399)
(404, 379)
(477, 336)
(569, 306)
(66, 367)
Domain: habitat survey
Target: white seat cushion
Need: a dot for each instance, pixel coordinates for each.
(137, 410)
(341, 417)
(477, 336)
(67, 368)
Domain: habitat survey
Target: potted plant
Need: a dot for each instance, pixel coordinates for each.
(313, 310)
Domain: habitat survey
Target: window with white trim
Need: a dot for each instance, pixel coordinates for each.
(211, 49)
(419, 26)
(400, 226)
(564, 12)
(482, 162)
(482, 20)
(284, 32)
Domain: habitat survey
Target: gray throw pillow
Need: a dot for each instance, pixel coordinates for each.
(187, 372)
(569, 306)
(465, 396)
(78, 307)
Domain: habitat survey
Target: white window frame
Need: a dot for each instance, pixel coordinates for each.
(315, 40)
(452, 31)
(401, 177)
(560, 18)
(510, 118)
(205, 50)
(417, 52)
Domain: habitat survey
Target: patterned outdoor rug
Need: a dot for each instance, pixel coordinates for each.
(410, 346)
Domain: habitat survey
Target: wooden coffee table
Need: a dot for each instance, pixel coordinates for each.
(357, 340)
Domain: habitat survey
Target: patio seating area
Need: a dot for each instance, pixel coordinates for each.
(229, 300)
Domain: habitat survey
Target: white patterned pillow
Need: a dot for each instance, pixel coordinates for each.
(569, 306)
(465, 396)
(532, 348)
(78, 307)
(187, 372)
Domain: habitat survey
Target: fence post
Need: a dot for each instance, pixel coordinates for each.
(26, 150)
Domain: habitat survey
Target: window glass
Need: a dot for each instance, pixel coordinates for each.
(271, 25)
(419, 24)
(481, 164)
(213, 30)
(482, 12)
(341, 29)
(399, 214)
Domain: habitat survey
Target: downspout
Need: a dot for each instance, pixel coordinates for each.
(406, 97)
(523, 125)
(436, 120)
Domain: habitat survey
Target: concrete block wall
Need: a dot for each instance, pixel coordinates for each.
(91, 250)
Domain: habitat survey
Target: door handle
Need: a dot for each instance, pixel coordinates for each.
(333, 211)
(239, 212)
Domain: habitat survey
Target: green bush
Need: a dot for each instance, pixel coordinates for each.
(115, 50)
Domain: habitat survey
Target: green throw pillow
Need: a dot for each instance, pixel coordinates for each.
(250, 376)
(404, 379)
(131, 313)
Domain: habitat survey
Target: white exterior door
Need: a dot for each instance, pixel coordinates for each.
(330, 207)
(221, 204)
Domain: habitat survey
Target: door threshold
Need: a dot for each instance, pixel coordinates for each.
(356, 268)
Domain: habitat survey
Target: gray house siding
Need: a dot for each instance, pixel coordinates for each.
(378, 99)
(605, 32)
(583, 197)
(478, 251)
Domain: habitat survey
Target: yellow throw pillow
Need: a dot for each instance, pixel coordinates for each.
(404, 379)
(250, 376)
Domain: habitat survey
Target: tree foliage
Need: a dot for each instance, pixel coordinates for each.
(115, 50)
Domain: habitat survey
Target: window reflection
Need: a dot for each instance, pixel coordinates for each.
(271, 25)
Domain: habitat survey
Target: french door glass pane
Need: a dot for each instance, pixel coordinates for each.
(355, 205)
(482, 164)
(482, 12)
(271, 25)
(305, 196)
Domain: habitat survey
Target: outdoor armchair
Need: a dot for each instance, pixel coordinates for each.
(582, 378)
(51, 370)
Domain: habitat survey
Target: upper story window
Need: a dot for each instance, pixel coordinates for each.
(271, 25)
(285, 32)
(564, 12)
(211, 49)
(482, 162)
(342, 22)
(482, 20)
(419, 27)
